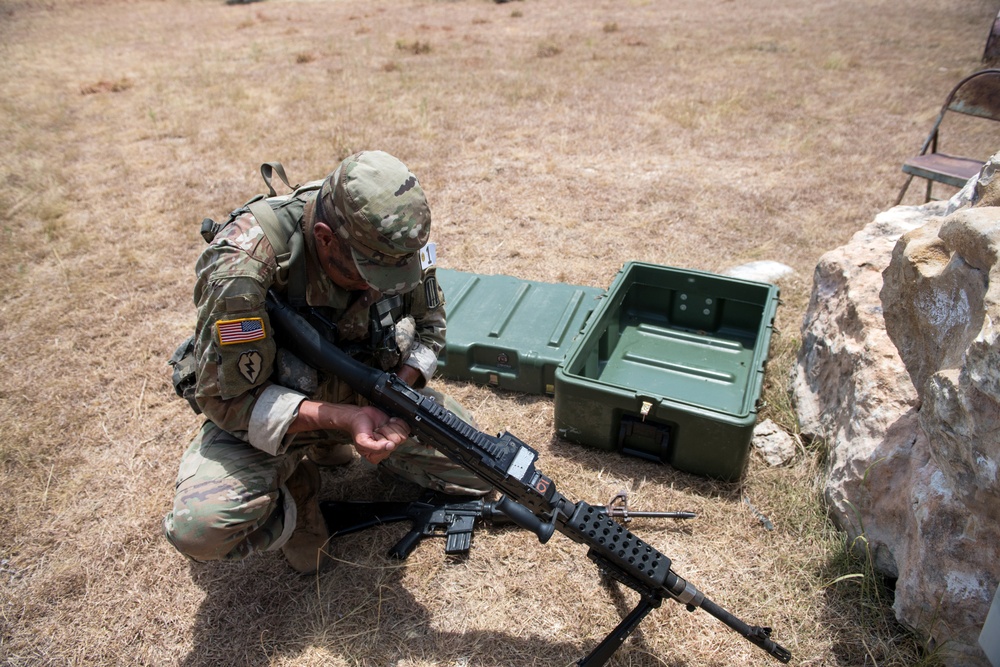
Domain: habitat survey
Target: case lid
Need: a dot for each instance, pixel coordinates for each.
(510, 333)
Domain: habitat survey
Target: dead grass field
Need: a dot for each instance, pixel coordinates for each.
(557, 140)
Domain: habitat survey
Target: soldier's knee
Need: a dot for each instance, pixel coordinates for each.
(181, 541)
(205, 535)
(215, 530)
(197, 540)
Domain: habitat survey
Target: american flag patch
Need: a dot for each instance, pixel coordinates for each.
(240, 331)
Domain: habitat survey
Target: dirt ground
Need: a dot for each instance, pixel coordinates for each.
(556, 140)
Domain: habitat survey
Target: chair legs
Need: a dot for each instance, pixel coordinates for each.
(903, 191)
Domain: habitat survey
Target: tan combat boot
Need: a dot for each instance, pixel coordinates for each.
(302, 550)
(330, 456)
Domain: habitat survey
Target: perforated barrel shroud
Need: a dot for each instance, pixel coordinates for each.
(646, 565)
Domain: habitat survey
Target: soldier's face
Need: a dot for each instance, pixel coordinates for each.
(335, 257)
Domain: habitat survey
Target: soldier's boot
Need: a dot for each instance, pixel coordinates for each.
(303, 548)
(331, 456)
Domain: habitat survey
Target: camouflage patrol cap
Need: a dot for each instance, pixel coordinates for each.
(375, 203)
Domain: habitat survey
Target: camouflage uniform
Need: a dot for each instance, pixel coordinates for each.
(230, 499)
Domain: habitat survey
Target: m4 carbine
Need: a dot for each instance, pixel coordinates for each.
(530, 498)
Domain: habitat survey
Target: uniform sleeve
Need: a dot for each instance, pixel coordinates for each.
(427, 309)
(235, 350)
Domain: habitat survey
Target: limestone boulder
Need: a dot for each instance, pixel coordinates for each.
(899, 373)
(850, 387)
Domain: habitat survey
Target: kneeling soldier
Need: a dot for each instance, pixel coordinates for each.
(249, 481)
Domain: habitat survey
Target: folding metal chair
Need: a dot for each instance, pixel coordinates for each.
(976, 95)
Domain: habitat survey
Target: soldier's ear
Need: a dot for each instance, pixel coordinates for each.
(323, 235)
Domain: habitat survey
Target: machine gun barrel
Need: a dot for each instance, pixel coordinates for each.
(530, 498)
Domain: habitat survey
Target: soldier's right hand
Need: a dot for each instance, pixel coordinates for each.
(376, 435)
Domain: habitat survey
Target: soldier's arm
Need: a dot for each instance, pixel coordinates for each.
(375, 435)
(426, 306)
(234, 346)
(236, 353)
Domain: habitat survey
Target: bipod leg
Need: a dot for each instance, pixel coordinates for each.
(617, 637)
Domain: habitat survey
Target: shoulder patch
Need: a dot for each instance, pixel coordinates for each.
(431, 291)
(245, 330)
(250, 365)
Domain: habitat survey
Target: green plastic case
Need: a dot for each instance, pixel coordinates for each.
(510, 333)
(670, 368)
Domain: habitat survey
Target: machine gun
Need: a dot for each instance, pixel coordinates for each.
(434, 515)
(530, 498)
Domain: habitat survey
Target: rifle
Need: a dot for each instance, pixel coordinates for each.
(434, 515)
(429, 516)
(530, 498)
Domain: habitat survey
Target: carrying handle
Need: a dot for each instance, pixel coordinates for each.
(267, 170)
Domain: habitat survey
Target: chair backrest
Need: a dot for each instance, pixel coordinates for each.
(977, 95)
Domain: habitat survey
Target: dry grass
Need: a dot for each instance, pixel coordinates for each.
(557, 140)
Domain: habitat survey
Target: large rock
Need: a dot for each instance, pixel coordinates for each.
(899, 373)
(850, 387)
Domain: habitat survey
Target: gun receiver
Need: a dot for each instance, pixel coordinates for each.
(530, 498)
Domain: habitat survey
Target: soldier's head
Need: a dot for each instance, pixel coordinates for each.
(372, 219)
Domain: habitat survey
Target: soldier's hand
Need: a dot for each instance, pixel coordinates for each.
(376, 435)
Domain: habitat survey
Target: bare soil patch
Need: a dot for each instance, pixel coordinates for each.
(557, 140)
